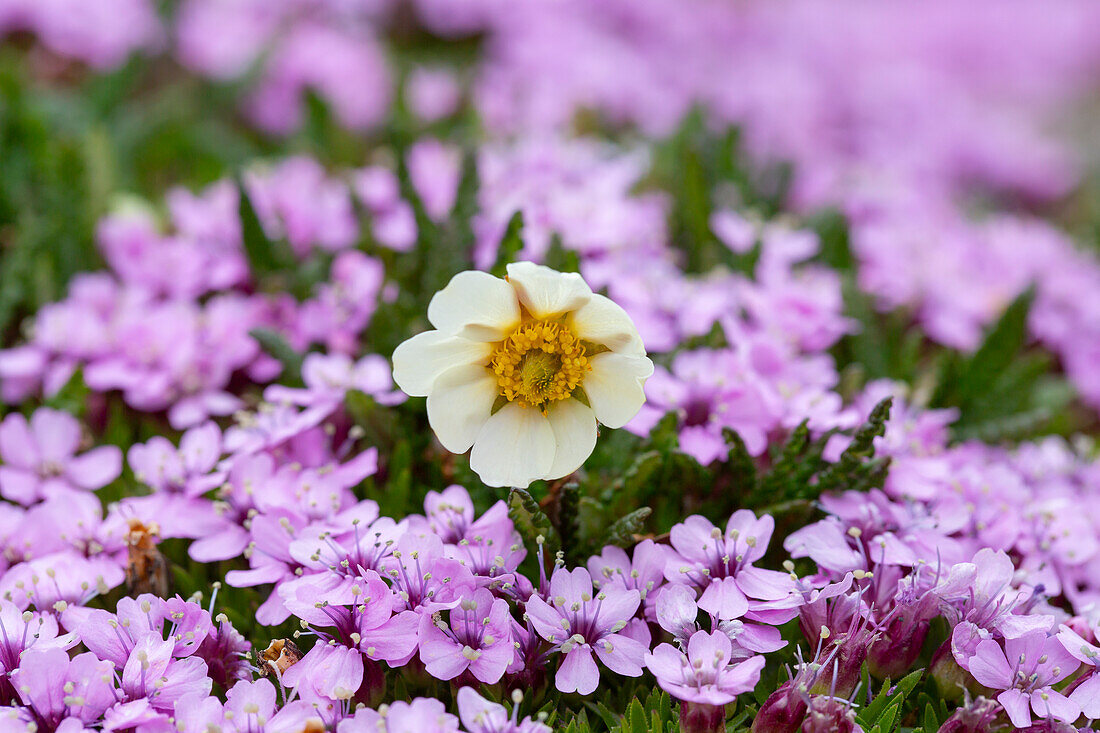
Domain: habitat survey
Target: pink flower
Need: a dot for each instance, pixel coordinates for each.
(56, 688)
(435, 169)
(720, 564)
(1024, 669)
(40, 457)
(478, 637)
(706, 672)
(580, 622)
(432, 93)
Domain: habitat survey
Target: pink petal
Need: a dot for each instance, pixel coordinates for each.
(18, 485)
(57, 434)
(17, 446)
(1015, 704)
(578, 672)
(96, 468)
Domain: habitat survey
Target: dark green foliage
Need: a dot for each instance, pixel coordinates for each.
(275, 345)
(622, 532)
(568, 521)
(798, 472)
(1004, 390)
(531, 522)
(73, 397)
(885, 712)
(642, 712)
(510, 244)
(706, 171)
(856, 467)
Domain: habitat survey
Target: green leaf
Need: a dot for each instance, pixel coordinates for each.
(608, 716)
(908, 683)
(274, 344)
(561, 259)
(263, 257)
(883, 710)
(395, 499)
(742, 467)
(886, 721)
(635, 713)
(931, 721)
(531, 522)
(1000, 346)
(874, 709)
(510, 244)
(569, 519)
(854, 461)
(621, 533)
(71, 398)
(637, 475)
(965, 379)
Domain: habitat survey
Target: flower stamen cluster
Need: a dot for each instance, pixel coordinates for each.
(539, 363)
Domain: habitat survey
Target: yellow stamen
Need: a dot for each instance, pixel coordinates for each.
(539, 363)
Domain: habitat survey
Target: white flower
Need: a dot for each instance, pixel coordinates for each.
(520, 369)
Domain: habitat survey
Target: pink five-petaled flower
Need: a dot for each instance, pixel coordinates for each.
(645, 572)
(362, 612)
(579, 622)
(1025, 670)
(188, 469)
(40, 457)
(678, 613)
(478, 638)
(720, 564)
(55, 688)
(152, 672)
(705, 674)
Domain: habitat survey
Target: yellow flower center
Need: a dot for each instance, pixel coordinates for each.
(539, 363)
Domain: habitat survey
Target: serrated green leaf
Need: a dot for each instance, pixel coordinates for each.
(856, 456)
(609, 718)
(621, 533)
(640, 471)
(931, 722)
(530, 521)
(886, 721)
(569, 519)
(740, 463)
(635, 713)
(964, 380)
(873, 710)
(908, 683)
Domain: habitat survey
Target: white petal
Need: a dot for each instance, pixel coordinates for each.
(545, 292)
(603, 321)
(515, 447)
(615, 386)
(475, 305)
(418, 362)
(574, 426)
(459, 404)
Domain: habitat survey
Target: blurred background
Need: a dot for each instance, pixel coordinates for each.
(950, 148)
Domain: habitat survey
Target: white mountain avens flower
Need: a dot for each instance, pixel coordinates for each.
(520, 369)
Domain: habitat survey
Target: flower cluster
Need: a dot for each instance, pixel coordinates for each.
(827, 266)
